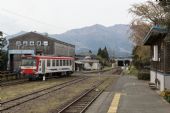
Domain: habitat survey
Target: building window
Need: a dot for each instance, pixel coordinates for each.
(155, 53)
(25, 43)
(31, 43)
(45, 43)
(18, 43)
(38, 43)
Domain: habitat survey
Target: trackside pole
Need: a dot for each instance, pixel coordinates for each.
(44, 77)
(99, 74)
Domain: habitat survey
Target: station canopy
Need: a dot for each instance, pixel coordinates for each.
(154, 34)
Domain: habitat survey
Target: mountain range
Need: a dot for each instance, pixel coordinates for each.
(115, 38)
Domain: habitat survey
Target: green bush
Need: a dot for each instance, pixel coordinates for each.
(132, 71)
(144, 75)
(167, 96)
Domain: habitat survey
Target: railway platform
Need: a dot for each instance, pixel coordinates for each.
(129, 95)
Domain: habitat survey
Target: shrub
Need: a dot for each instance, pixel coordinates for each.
(144, 75)
(167, 96)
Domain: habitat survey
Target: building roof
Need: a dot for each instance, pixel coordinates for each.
(154, 34)
(50, 38)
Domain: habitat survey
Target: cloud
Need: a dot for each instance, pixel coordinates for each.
(56, 16)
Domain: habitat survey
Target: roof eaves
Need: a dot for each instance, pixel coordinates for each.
(19, 35)
(156, 29)
(43, 36)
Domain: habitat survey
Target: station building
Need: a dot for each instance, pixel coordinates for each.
(158, 38)
(87, 63)
(32, 43)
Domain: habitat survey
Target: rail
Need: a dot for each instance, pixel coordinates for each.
(14, 82)
(82, 102)
(6, 105)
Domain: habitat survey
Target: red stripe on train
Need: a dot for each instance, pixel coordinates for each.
(27, 71)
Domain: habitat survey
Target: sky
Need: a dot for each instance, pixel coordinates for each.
(58, 16)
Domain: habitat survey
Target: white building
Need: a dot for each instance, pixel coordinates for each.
(88, 64)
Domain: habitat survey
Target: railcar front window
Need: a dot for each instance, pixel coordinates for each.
(28, 62)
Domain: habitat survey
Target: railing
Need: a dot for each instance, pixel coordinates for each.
(8, 76)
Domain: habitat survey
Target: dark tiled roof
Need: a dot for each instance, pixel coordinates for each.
(155, 33)
(58, 41)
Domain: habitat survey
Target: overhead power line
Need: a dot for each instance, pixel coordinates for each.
(28, 18)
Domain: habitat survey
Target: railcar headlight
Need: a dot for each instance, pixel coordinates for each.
(21, 71)
(34, 71)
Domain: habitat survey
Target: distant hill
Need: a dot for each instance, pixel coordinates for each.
(115, 38)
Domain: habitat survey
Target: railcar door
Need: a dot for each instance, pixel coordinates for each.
(43, 66)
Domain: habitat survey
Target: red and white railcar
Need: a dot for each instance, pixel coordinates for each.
(39, 66)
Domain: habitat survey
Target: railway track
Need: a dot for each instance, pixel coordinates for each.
(13, 82)
(6, 105)
(117, 71)
(81, 103)
(16, 82)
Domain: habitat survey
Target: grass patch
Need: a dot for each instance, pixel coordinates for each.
(131, 71)
(22, 89)
(62, 96)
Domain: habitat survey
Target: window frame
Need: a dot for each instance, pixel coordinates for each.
(53, 63)
(18, 43)
(48, 63)
(25, 43)
(57, 62)
(38, 43)
(45, 43)
(61, 62)
(32, 43)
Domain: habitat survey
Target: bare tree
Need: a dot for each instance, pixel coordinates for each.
(149, 12)
(3, 41)
(145, 15)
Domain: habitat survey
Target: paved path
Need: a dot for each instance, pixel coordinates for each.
(136, 97)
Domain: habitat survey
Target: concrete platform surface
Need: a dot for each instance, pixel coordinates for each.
(136, 97)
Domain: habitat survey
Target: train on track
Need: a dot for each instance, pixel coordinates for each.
(37, 67)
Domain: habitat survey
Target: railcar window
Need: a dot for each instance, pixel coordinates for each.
(64, 62)
(28, 62)
(70, 62)
(61, 63)
(48, 63)
(53, 62)
(57, 62)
